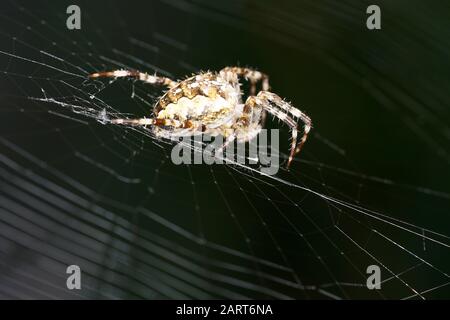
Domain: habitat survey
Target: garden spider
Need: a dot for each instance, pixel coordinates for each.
(211, 103)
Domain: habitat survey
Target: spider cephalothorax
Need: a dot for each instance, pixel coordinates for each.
(211, 103)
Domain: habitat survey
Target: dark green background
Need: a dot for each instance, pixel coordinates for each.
(379, 101)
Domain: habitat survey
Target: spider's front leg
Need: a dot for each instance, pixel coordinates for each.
(254, 76)
(264, 99)
(141, 76)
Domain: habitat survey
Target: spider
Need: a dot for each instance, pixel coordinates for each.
(211, 103)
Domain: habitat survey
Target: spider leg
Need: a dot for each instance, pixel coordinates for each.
(183, 131)
(227, 141)
(141, 76)
(286, 106)
(133, 122)
(251, 75)
(264, 102)
(254, 77)
(155, 122)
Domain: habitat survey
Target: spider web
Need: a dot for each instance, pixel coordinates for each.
(370, 188)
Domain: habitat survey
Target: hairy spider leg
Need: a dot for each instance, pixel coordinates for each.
(156, 122)
(251, 75)
(227, 141)
(254, 77)
(253, 101)
(141, 76)
(286, 106)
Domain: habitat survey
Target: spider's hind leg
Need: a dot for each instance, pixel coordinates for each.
(141, 76)
(152, 122)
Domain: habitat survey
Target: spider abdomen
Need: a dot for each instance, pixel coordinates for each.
(199, 108)
(205, 98)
